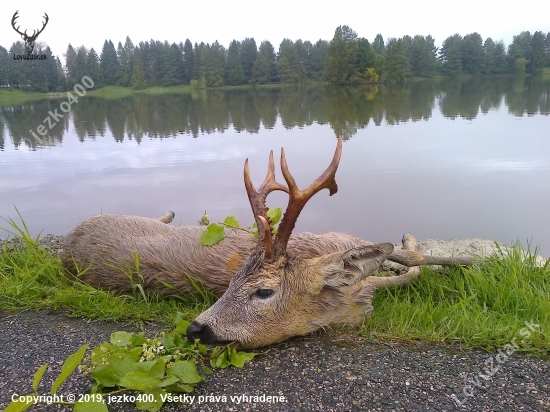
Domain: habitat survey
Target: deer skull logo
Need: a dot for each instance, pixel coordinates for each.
(29, 40)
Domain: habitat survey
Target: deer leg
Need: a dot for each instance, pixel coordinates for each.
(410, 245)
(411, 257)
(167, 217)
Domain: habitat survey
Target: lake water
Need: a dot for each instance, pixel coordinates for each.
(448, 159)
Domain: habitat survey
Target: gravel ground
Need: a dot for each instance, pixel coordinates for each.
(320, 372)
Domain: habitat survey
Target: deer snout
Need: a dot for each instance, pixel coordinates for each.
(196, 331)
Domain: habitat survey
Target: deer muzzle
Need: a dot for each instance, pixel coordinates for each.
(196, 331)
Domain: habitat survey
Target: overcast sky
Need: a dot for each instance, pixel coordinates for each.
(90, 23)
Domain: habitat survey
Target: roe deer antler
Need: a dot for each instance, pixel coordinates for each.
(297, 200)
(257, 202)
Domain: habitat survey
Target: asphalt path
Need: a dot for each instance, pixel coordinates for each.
(325, 371)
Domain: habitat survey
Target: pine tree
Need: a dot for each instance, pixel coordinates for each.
(4, 67)
(473, 56)
(495, 56)
(397, 61)
(125, 59)
(318, 56)
(138, 74)
(249, 52)
(174, 65)
(188, 61)
(378, 44)
(423, 57)
(235, 72)
(537, 53)
(453, 65)
(80, 68)
(109, 65)
(93, 70)
(341, 61)
(70, 60)
(288, 62)
(264, 66)
(450, 55)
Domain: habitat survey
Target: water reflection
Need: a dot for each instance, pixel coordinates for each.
(346, 109)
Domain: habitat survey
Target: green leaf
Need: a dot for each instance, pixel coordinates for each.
(173, 340)
(186, 371)
(221, 361)
(177, 317)
(231, 221)
(121, 338)
(90, 405)
(275, 215)
(181, 326)
(138, 339)
(236, 358)
(110, 374)
(134, 353)
(213, 234)
(149, 406)
(38, 377)
(168, 342)
(154, 368)
(68, 367)
(202, 348)
(181, 387)
(170, 380)
(140, 381)
(20, 404)
(96, 387)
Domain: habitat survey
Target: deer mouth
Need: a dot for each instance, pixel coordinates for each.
(196, 331)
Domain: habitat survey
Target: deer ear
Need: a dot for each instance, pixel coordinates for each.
(349, 267)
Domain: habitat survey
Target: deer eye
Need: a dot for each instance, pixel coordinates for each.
(264, 293)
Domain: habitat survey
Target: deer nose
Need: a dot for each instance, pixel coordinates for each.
(194, 331)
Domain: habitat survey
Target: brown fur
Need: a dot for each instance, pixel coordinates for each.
(103, 247)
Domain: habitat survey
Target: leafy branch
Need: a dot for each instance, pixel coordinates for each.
(215, 232)
(154, 367)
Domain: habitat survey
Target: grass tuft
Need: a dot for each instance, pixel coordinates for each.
(33, 278)
(485, 305)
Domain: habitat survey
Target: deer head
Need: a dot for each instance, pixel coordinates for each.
(276, 296)
(29, 40)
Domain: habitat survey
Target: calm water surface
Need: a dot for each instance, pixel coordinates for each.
(441, 160)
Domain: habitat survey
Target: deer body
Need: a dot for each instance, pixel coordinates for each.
(104, 247)
(271, 288)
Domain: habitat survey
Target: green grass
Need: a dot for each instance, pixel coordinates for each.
(483, 306)
(546, 72)
(32, 278)
(119, 91)
(11, 97)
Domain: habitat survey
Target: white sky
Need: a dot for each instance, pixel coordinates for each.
(90, 23)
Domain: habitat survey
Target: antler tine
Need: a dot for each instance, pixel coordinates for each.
(298, 198)
(257, 198)
(13, 19)
(44, 24)
(268, 255)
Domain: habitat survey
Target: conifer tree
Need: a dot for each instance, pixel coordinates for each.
(264, 66)
(109, 65)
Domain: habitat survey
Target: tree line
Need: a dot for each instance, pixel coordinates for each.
(345, 109)
(346, 59)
